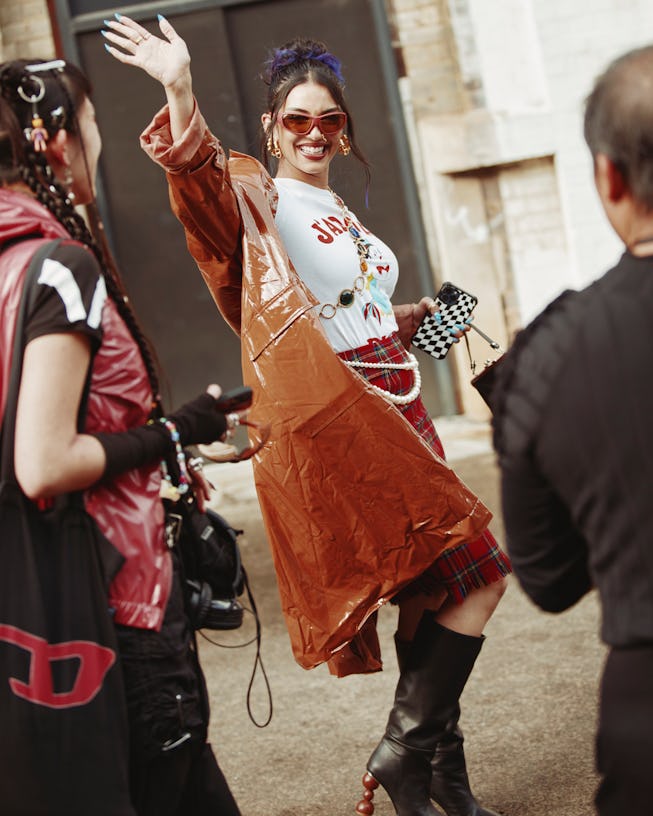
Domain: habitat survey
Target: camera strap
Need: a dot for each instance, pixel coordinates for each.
(258, 660)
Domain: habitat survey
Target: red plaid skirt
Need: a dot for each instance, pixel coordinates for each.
(460, 569)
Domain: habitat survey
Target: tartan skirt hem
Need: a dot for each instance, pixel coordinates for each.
(464, 568)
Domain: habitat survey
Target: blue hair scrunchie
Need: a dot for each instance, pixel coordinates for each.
(283, 57)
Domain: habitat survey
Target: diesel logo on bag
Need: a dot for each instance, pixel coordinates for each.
(94, 662)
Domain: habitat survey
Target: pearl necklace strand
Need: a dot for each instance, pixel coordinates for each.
(397, 399)
(346, 299)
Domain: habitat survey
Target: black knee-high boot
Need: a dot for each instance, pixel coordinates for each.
(436, 669)
(449, 780)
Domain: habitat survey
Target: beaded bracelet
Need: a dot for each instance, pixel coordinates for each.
(171, 490)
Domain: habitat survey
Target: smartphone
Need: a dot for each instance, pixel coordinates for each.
(455, 306)
(237, 399)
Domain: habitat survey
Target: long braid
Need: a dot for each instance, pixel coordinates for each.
(120, 297)
(37, 174)
(54, 197)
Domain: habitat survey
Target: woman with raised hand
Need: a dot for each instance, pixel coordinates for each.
(359, 506)
(82, 329)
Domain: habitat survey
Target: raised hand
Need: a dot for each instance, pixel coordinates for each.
(166, 60)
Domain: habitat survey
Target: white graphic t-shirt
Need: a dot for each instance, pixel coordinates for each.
(322, 251)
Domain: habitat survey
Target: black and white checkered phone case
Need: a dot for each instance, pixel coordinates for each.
(455, 306)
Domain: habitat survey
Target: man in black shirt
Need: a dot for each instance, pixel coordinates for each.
(573, 429)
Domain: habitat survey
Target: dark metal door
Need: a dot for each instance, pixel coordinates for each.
(228, 42)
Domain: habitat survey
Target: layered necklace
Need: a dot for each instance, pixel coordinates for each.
(347, 297)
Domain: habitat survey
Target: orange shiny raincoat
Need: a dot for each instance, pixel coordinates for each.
(356, 505)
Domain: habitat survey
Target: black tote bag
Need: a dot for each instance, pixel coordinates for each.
(63, 726)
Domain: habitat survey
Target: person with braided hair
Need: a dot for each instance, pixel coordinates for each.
(82, 329)
(359, 505)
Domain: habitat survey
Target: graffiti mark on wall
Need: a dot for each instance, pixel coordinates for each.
(479, 233)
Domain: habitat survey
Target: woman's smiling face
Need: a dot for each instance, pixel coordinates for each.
(307, 158)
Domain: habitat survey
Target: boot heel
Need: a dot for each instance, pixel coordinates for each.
(366, 806)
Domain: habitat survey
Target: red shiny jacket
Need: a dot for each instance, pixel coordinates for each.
(128, 510)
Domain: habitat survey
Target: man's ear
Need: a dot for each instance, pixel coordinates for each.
(610, 181)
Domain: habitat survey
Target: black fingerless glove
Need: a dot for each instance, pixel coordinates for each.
(197, 421)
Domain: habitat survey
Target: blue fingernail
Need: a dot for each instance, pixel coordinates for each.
(438, 317)
(452, 330)
(107, 22)
(107, 47)
(160, 17)
(117, 15)
(460, 327)
(469, 320)
(103, 32)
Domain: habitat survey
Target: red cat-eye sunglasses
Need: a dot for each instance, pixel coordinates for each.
(302, 124)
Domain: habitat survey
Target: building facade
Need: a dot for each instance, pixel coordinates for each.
(492, 93)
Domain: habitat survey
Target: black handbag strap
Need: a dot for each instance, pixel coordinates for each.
(8, 429)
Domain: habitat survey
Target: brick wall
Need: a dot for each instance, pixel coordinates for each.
(502, 83)
(25, 30)
(578, 40)
(536, 236)
(493, 93)
(485, 149)
(425, 38)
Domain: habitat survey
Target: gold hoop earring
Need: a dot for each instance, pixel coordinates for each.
(273, 148)
(344, 146)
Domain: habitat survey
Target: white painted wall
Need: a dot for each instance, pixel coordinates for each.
(509, 56)
(578, 38)
(541, 57)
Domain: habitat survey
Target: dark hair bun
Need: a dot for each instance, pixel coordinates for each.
(297, 53)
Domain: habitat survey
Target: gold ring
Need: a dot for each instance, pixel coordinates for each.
(139, 40)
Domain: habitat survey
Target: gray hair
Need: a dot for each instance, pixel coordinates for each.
(619, 120)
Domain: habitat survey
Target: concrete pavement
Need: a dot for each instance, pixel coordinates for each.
(529, 708)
